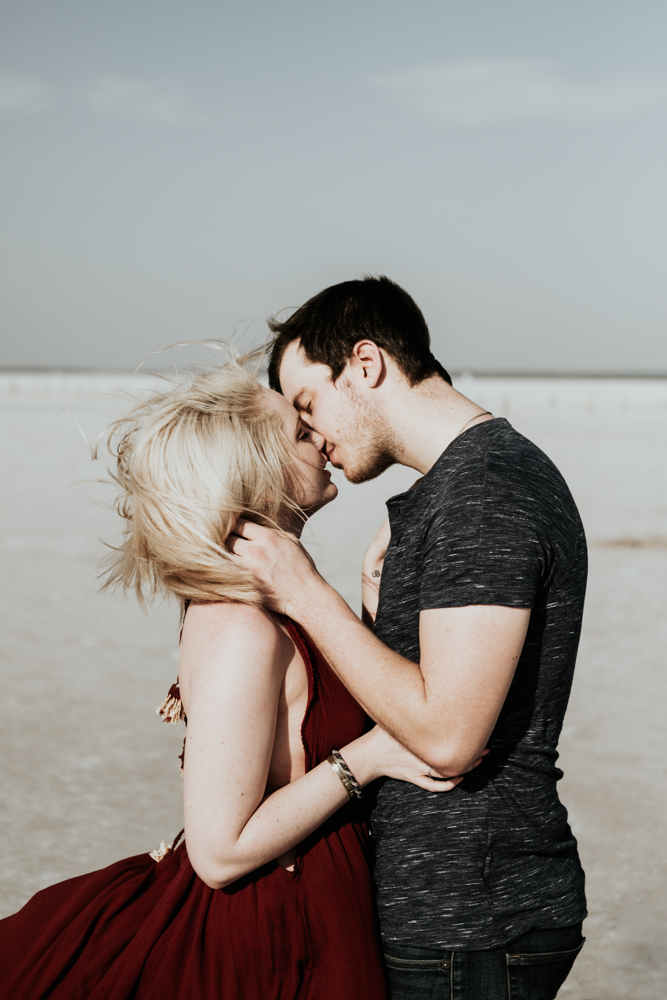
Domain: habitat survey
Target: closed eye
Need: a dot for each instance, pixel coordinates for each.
(300, 404)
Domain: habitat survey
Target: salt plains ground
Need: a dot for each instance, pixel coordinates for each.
(89, 773)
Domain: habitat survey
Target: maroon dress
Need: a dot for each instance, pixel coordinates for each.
(154, 931)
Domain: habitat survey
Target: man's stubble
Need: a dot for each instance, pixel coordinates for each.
(369, 441)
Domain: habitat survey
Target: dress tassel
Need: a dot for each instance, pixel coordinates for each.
(164, 850)
(171, 708)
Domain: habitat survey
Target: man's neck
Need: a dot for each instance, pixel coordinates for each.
(426, 418)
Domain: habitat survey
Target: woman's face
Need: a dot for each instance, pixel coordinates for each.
(315, 486)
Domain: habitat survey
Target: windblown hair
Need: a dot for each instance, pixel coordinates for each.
(189, 463)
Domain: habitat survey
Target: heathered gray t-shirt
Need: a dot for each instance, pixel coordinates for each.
(492, 522)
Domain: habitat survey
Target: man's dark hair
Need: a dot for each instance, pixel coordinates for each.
(333, 321)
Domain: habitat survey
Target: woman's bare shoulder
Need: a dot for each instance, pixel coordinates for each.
(234, 625)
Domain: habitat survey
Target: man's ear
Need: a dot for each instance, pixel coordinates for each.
(368, 363)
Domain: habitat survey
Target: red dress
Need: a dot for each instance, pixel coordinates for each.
(154, 931)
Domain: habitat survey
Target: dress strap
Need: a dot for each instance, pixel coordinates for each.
(171, 710)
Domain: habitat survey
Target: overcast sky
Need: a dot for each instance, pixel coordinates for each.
(173, 171)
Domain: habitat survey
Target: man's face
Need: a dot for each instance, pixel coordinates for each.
(344, 414)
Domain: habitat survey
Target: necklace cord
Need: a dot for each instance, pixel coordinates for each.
(487, 413)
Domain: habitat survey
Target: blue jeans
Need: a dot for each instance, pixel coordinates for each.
(533, 967)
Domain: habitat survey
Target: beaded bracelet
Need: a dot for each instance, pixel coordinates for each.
(350, 783)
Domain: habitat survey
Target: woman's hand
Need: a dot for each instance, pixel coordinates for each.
(383, 756)
(371, 573)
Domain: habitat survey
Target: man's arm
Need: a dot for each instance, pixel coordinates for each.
(443, 709)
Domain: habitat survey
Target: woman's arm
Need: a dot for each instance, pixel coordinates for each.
(233, 663)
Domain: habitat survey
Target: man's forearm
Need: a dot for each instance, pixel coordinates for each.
(389, 687)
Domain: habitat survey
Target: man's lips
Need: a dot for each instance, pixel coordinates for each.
(330, 452)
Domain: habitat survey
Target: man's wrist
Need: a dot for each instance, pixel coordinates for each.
(316, 599)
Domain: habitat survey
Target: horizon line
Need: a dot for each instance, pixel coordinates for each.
(460, 373)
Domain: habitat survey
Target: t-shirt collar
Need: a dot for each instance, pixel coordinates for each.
(398, 504)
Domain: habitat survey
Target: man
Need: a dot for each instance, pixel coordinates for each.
(480, 892)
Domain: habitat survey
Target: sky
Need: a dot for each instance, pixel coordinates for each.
(180, 171)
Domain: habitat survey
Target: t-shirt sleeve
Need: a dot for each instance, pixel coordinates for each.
(483, 545)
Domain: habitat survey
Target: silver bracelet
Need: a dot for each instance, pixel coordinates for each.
(350, 783)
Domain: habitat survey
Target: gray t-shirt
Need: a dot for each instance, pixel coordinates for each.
(492, 522)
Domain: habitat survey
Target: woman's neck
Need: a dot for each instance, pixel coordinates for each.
(293, 522)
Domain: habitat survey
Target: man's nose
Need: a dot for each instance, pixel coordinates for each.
(318, 440)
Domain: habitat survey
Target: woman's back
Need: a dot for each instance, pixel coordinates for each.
(288, 759)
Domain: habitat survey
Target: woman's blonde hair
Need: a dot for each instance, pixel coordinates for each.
(190, 462)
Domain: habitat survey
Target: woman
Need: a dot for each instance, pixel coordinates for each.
(272, 898)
